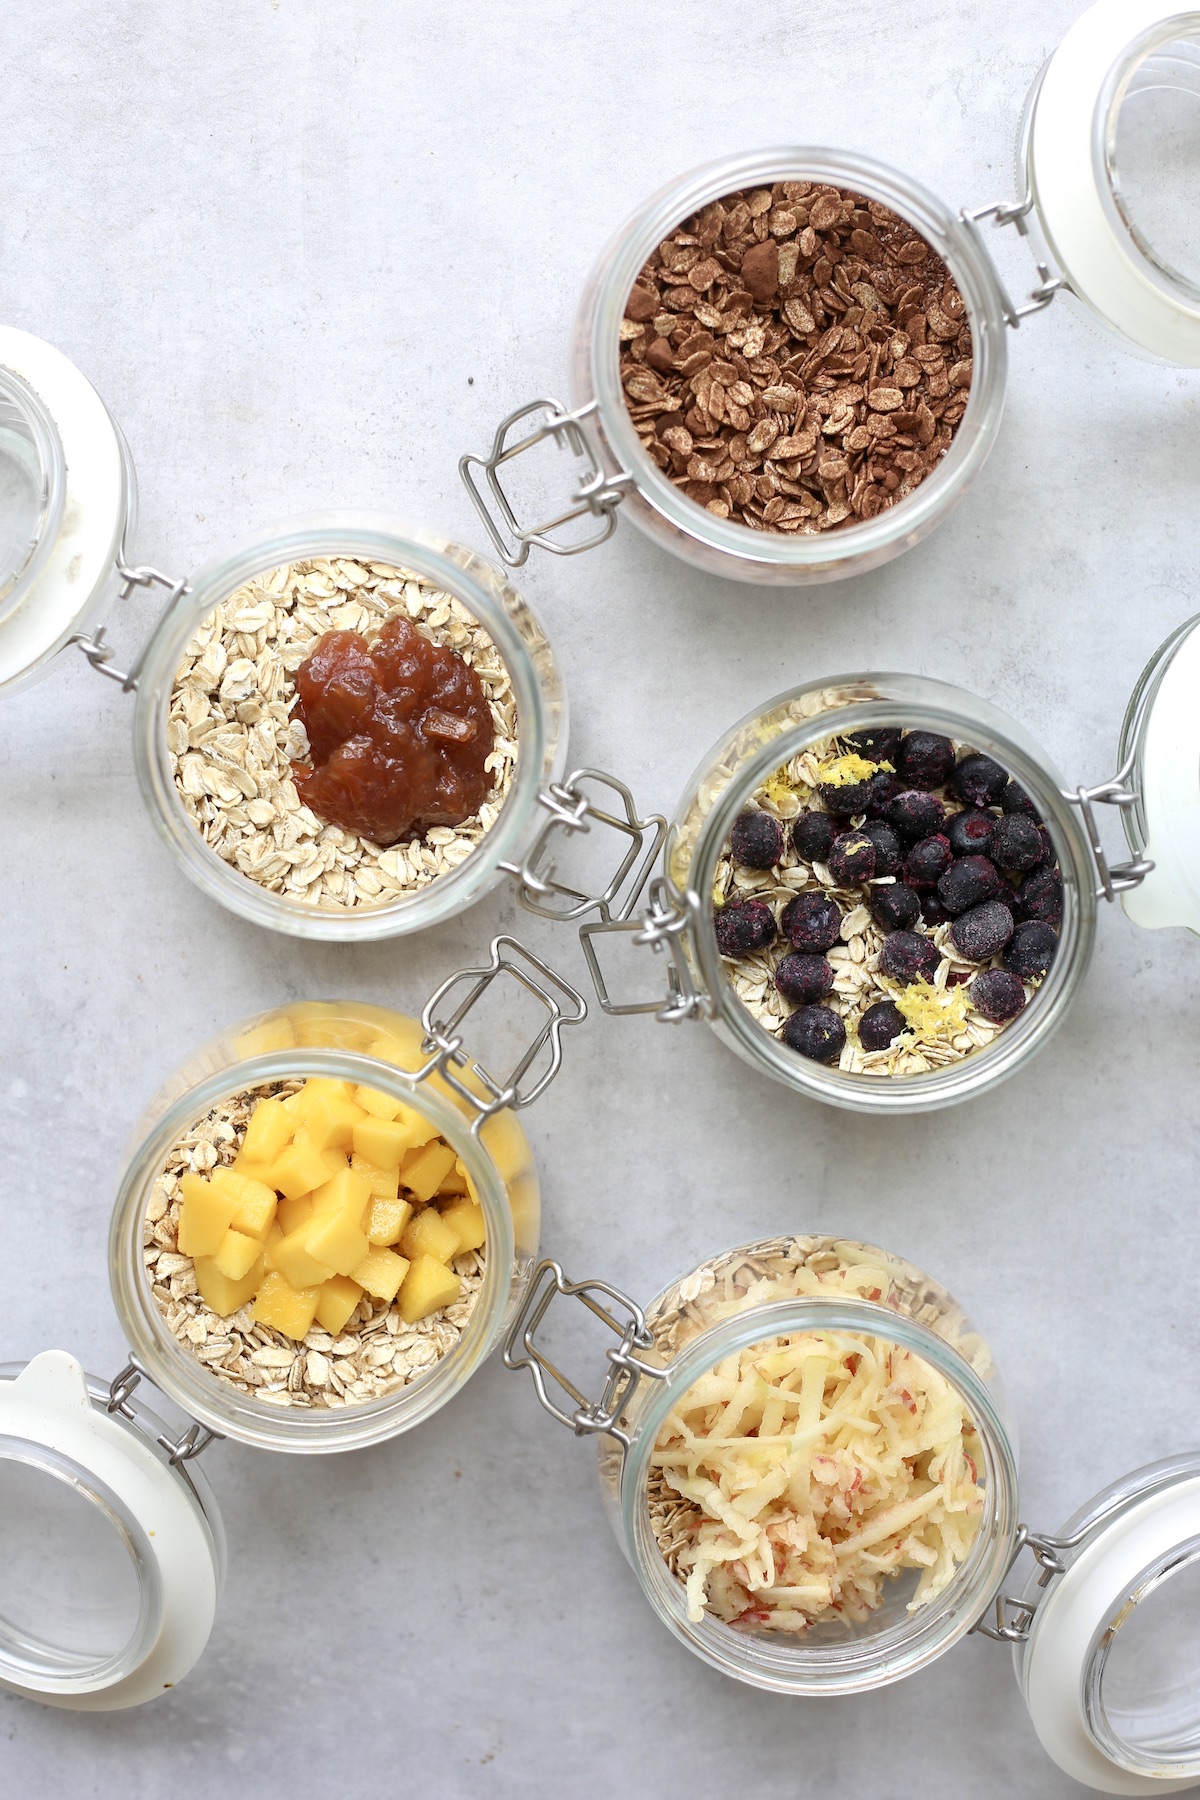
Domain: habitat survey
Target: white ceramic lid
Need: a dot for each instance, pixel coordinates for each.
(1111, 1669)
(110, 1559)
(82, 534)
(1169, 779)
(1113, 163)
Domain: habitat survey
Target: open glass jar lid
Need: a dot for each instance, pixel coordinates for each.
(806, 1456)
(341, 728)
(879, 890)
(307, 1322)
(790, 365)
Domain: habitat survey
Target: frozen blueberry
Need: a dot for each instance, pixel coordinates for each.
(816, 1033)
(907, 956)
(849, 801)
(970, 832)
(1030, 950)
(979, 781)
(927, 861)
(756, 840)
(880, 1024)
(812, 922)
(812, 835)
(803, 979)
(743, 927)
(888, 854)
(851, 858)
(914, 814)
(877, 745)
(998, 995)
(1040, 896)
(968, 882)
(980, 933)
(894, 907)
(1014, 799)
(932, 910)
(1017, 843)
(924, 760)
(883, 788)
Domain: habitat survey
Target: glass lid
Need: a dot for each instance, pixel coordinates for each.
(1164, 721)
(110, 1558)
(32, 488)
(1112, 154)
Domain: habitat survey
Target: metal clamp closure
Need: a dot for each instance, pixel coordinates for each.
(1016, 212)
(625, 1372)
(508, 958)
(1012, 1616)
(662, 926)
(181, 1449)
(99, 653)
(1114, 878)
(570, 811)
(596, 492)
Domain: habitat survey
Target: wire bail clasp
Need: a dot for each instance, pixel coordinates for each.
(1016, 212)
(192, 1442)
(571, 810)
(94, 647)
(668, 918)
(597, 493)
(1114, 878)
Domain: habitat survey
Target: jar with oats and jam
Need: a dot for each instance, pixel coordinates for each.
(325, 1223)
(879, 890)
(790, 365)
(807, 1458)
(340, 728)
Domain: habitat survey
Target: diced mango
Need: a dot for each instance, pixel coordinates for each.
(422, 1129)
(377, 1103)
(455, 1182)
(380, 1272)
(348, 1192)
(330, 1119)
(428, 1286)
(254, 1202)
(222, 1294)
(337, 1300)
(336, 1240)
(206, 1216)
(270, 1034)
(284, 1307)
(253, 1171)
(424, 1169)
(385, 1183)
(465, 1219)
(382, 1141)
(291, 1257)
(291, 1214)
(428, 1235)
(237, 1255)
(300, 1168)
(270, 1131)
(386, 1219)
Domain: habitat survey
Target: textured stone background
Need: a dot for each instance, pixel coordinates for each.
(280, 237)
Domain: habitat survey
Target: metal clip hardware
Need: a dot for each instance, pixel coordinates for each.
(99, 653)
(1114, 878)
(571, 811)
(181, 1449)
(1012, 1617)
(662, 926)
(508, 958)
(625, 1372)
(1016, 212)
(596, 492)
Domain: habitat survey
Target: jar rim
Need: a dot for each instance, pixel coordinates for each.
(19, 398)
(946, 234)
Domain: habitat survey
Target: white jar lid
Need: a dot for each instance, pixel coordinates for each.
(1170, 789)
(1111, 160)
(110, 1563)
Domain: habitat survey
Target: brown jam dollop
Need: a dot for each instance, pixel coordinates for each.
(399, 731)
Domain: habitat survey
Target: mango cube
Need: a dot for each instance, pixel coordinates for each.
(428, 1286)
(270, 1131)
(425, 1169)
(347, 1192)
(330, 1119)
(300, 1168)
(337, 1300)
(336, 1240)
(291, 1258)
(222, 1294)
(205, 1218)
(386, 1219)
(385, 1183)
(291, 1214)
(237, 1255)
(429, 1236)
(284, 1307)
(377, 1103)
(465, 1219)
(380, 1273)
(455, 1182)
(382, 1141)
(254, 1202)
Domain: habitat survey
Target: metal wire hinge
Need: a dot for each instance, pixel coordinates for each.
(597, 492)
(181, 1449)
(1012, 1616)
(1114, 878)
(625, 1371)
(98, 652)
(572, 811)
(662, 926)
(465, 1076)
(1016, 212)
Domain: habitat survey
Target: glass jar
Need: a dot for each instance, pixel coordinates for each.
(1103, 104)
(1118, 1714)
(66, 563)
(110, 1540)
